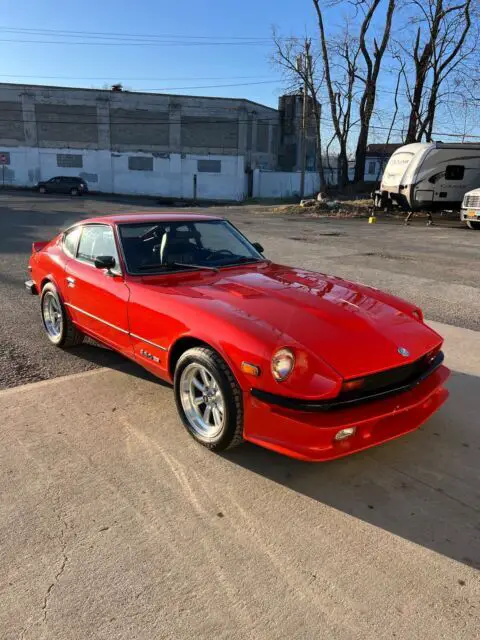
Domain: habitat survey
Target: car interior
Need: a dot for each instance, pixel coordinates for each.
(167, 244)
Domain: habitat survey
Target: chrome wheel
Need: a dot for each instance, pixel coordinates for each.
(52, 315)
(202, 401)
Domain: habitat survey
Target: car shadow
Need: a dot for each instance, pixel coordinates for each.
(424, 487)
(101, 356)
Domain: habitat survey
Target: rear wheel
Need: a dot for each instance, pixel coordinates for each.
(209, 399)
(58, 326)
(471, 224)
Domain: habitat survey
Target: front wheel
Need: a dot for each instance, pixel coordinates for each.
(471, 224)
(74, 191)
(209, 399)
(42, 190)
(58, 326)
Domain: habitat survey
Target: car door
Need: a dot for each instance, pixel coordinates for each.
(64, 185)
(54, 185)
(98, 298)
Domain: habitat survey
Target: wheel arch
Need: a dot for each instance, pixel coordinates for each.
(178, 348)
(184, 343)
(50, 279)
(45, 280)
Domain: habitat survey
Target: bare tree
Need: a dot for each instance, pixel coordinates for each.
(373, 63)
(286, 54)
(440, 45)
(340, 87)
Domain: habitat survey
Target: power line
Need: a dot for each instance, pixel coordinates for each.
(137, 36)
(135, 78)
(172, 43)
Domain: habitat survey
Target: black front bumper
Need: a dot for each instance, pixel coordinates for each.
(339, 403)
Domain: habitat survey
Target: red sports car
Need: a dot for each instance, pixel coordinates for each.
(306, 364)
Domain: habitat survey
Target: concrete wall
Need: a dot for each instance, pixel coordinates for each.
(172, 175)
(38, 123)
(42, 116)
(283, 184)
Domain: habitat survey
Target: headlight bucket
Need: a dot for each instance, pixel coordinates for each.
(283, 363)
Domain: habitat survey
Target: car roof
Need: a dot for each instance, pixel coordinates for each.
(125, 218)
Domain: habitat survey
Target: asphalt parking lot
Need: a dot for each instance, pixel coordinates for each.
(114, 524)
(435, 267)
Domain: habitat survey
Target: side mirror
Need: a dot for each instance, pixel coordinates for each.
(258, 247)
(105, 262)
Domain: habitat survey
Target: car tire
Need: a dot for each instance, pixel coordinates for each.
(225, 402)
(74, 191)
(57, 323)
(473, 225)
(42, 190)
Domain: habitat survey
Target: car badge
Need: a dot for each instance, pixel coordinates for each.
(403, 352)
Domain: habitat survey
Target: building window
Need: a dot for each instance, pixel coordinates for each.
(372, 166)
(70, 160)
(140, 163)
(209, 166)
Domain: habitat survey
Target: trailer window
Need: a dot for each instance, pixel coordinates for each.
(454, 172)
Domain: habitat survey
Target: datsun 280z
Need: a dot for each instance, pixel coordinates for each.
(306, 364)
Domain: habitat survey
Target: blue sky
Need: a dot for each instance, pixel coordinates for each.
(180, 67)
(174, 66)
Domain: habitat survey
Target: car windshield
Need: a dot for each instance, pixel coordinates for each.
(174, 246)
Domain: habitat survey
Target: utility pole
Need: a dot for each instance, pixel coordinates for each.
(303, 66)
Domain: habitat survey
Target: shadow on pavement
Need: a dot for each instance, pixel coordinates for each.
(424, 487)
(102, 356)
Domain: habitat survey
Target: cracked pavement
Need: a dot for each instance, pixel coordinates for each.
(115, 525)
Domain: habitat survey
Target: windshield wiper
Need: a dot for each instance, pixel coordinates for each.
(164, 267)
(241, 260)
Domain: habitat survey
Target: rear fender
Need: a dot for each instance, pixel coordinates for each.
(38, 246)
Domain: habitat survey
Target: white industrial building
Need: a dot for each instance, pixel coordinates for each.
(136, 143)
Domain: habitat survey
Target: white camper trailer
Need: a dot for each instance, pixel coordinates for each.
(429, 176)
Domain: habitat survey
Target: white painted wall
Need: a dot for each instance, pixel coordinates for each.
(283, 184)
(172, 175)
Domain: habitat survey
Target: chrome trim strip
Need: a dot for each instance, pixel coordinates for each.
(90, 315)
(134, 335)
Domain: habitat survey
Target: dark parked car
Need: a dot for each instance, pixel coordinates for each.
(64, 184)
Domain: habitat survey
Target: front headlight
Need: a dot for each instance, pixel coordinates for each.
(283, 362)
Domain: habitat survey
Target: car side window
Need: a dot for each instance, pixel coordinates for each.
(454, 172)
(97, 240)
(70, 241)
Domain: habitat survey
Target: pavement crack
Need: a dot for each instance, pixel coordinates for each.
(51, 586)
(57, 576)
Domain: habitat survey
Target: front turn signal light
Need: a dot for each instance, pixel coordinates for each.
(353, 385)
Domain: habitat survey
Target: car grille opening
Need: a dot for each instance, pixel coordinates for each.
(472, 201)
(391, 379)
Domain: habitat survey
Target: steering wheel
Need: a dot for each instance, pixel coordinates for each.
(150, 234)
(220, 252)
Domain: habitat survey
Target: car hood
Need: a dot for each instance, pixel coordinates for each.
(355, 329)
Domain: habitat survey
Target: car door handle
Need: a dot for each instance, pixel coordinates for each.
(71, 281)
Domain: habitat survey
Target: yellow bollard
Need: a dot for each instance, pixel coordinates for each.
(372, 220)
